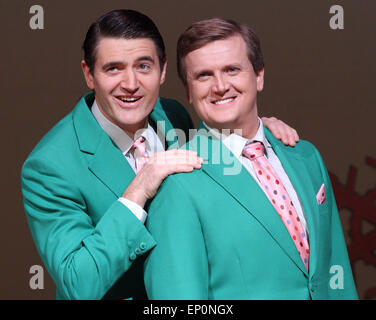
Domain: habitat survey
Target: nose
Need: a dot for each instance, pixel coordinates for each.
(129, 81)
(221, 84)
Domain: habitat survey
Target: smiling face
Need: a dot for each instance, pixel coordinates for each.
(222, 85)
(126, 79)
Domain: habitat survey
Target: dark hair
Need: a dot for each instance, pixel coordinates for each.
(126, 24)
(203, 32)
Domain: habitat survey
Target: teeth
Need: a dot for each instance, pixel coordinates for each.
(129, 99)
(224, 101)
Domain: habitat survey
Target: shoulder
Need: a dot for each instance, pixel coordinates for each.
(48, 167)
(308, 151)
(183, 184)
(59, 147)
(187, 183)
(61, 142)
(53, 156)
(56, 140)
(304, 148)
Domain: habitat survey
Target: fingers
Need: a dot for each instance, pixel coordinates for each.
(174, 161)
(160, 165)
(281, 131)
(285, 134)
(177, 157)
(289, 135)
(296, 136)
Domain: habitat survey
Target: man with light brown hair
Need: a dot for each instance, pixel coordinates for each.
(270, 230)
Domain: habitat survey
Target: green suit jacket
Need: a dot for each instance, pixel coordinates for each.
(70, 183)
(219, 237)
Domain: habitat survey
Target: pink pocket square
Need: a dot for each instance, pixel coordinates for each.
(321, 198)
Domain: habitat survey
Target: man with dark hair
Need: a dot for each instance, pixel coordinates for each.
(126, 24)
(268, 230)
(87, 183)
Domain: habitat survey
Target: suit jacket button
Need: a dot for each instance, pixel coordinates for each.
(137, 251)
(132, 256)
(142, 245)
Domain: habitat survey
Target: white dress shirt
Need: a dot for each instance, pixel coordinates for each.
(124, 143)
(236, 144)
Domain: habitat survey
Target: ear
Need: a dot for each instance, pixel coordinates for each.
(187, 92)
(163, 73)
(88, 76)
(260, 80)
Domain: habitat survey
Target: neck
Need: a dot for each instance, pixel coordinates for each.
(131, 130)
(246, 128)
(249, 129)
(250, 123)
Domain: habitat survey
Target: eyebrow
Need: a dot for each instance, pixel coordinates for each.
(111, 64)
(146, 58)
(116, 63)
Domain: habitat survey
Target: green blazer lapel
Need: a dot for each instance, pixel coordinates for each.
(298, 174)
(242, 187)
(165, 129)
(109, 165)
(106, 161)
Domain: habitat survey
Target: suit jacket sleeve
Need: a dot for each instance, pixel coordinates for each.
(339, 260)
(177, 268)
(84, 259)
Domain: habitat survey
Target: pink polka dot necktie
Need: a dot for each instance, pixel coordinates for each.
(279, 197)
(140, 154)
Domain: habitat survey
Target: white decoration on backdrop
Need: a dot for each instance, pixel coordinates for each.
(337, 20)
(336, 281)
(37, 280)
(37, 20)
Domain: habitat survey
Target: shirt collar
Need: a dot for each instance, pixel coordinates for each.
(118, 136)
(236, 143)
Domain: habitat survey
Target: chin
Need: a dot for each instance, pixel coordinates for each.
(222, 123)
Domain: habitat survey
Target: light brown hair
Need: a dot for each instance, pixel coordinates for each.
(203, 32)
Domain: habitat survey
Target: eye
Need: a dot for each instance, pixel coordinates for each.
(144, 67)
(202, 75)
(232, 70)
(112, 69)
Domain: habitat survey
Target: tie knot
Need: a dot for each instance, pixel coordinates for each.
(253, 150)
(139, 148)
(140, 153)
(138, 143)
